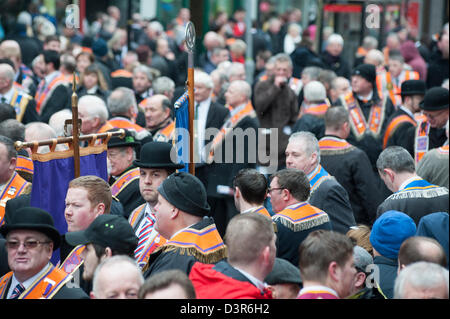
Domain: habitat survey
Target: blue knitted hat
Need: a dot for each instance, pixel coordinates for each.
(389, 231)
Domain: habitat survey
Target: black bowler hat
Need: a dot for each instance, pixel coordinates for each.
(156, 155)
(186, 192)
(413, 87)
(108, 231)
(33, 218)
(128, 140)
(435, 99)
(366, 71)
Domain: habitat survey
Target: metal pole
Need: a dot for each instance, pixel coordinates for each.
(190, 43)
(75, 129)
(249, 62)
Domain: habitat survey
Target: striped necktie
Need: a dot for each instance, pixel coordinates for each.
(144, 234)
(17, 291)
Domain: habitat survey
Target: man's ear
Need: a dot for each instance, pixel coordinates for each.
(333, 271)
(360, 278)
(237, 192)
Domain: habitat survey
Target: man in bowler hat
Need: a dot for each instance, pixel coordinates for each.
(402, 123)
(123, 176)
(31, 238)
(181, 218)
(431, 133)
(154, 166)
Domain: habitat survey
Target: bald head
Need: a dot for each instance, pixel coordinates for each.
(420, 248)
(10, 49)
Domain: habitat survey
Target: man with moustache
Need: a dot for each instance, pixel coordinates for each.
(155, 166)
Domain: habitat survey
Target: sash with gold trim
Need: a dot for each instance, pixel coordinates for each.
(421, 142)
(44, 287)
(358, 122)
(13, 188)
(204, 244)
(24, 164)
(318, 178)
(73, 260)
(42, 94)
(227, 128)
(333, 145)
(394, 124)
(19, 102)
(124, 180)
(301, 217)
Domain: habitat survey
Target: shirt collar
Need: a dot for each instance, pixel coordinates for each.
(407, 111)
(315, 170)
(317, 288)
(251, 209)
(8, 95)
(237, 109)
(255, 281)
(367, 97)
(48, 78)
(409, 180)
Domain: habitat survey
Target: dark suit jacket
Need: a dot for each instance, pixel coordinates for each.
(332, 198)
(353, 171)
(216, 117)
(30, 114)
(59, 100)
(223, 173)
(404, 133)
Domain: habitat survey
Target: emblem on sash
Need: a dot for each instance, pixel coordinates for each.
(11, 191)
(390, 86)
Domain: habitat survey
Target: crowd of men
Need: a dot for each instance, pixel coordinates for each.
(340, 192)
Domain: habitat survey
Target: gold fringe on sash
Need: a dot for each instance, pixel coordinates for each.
(302, 225)
(210, 258)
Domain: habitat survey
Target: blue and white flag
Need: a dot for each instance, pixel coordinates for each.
(181, 139)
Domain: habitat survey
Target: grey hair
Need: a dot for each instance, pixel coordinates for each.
(336, 38)
(9, 144)
(310, 142)
(244, 87)
(283, 57)
(7, 71)
(120, 104)
(420, 275)
(163, 84)
(205, 79)
(95, 107)
(112, 261)
(315, 91)
(312, 71)
(141, 68)
(397, 159)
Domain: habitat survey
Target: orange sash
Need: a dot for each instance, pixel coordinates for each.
(301, 217)
(24, 164)
(443, 149)
(13, 188)
(74, 260)
(135, 214)
(318, 110)
(41, 94)
(154, 243)
(358, 122)
(119, 122)
(121, 73)
(394, 90)
(165, 134)
(262, 211)
(393, 125)
(124, 180)
(227, 128)
(421, 141)
(329, 143)
(205, 244)
(44, 287)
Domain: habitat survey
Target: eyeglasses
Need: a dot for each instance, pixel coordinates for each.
(28, 244)
(273, 189)
(433, 115)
